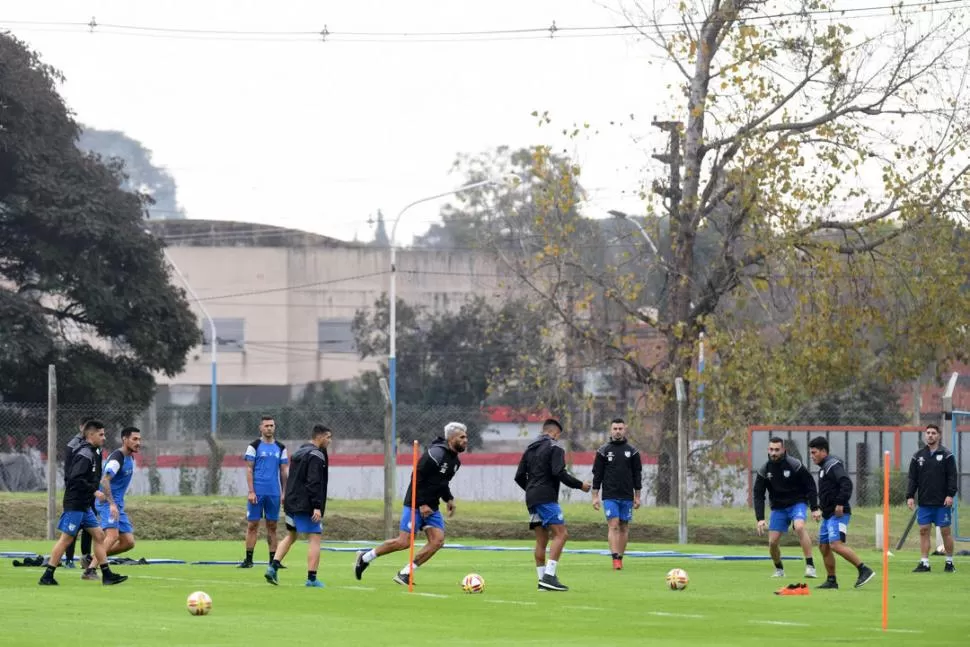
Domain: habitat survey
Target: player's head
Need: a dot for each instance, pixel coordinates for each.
(131, 439)
(267, 426)
(776, 448)
(321, 436)
(932, 435)
(94, 432)
(617, 429)
(552, 428)
(457, 436)
(819, 447)
(83, 421)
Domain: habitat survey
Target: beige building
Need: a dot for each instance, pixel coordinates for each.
(283, 302)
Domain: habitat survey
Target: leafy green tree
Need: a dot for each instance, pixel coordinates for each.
(82, 285)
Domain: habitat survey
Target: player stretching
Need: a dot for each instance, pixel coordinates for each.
(438, 465)
(119, 536)
(541, 470)
(834, 492)
(617, 467)
(792, 491)
(266, 478)
(933, 473)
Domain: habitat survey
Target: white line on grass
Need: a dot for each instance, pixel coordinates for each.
(780, 623)
(512, 602)
(357, 588)
(893, 631)
(581, 608)
(432, 595)
(674, 615)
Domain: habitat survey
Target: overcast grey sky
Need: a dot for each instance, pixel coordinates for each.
(318, 135)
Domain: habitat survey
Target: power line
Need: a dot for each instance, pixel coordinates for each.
(551, 31)
(300, 286)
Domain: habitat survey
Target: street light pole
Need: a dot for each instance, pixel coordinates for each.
(392, 354)
(213, 344)
(623, 216)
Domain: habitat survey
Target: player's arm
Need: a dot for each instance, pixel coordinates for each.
(522, 471)
(110, 469)
(558, 469)
(952, 476)
(758, 495)
(284, 472)
(810, 488)
(913, 479)
(250, 466)
(316, 483)
(599, 469)
(636, 465)
(844, 494)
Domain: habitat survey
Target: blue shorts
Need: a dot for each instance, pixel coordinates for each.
(937, 515)
(433, 520)
(833, 529)
(266, 506)
(545, 515)
(304, 523)
(621, 508)
(121, 523)
(73, 521)
(781, 519)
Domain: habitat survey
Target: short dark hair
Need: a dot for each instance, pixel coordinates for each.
(85, 420)
(551, 422)
(319, 430)
(617, 421)
(267, 417)
(933, 426)
(819, 442)
(775, 440)
(127, 431)
(93, 425)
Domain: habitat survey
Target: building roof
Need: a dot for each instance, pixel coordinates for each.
(230, 233)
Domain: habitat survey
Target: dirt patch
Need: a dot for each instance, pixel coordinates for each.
(24, 519)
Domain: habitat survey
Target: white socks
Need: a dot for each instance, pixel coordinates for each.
(551, 567)
(540, 571)
(406, 570)
(369, 556)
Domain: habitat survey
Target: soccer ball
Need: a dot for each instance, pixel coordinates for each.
(199, 603)
(677, 579)
(473, 583)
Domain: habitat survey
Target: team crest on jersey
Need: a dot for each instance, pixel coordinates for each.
(609, 456)
(939, 457)
(627, 454)
(921, 460)
(786, 473)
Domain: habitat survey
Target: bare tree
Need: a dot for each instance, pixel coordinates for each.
(831, 163)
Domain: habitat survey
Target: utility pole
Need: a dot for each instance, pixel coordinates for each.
(672, 193)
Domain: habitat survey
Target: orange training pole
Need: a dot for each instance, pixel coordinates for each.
(885, 541)
(414, 500)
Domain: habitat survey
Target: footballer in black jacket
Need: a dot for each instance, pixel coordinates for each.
(305, 503)
(541, 469)
(80, 488)
(933, 474)
(834, 492)
(437, 466)
(618, 468)
(792, 491)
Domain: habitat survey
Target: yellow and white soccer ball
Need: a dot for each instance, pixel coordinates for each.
(677, 579)
(473, 583)
(199, 603)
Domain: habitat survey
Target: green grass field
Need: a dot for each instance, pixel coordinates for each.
(726, 603)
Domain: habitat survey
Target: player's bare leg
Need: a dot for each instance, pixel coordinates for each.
(558, 536)
(849, 555)
(623, 538)
(101, 558)
(120, 544)
(774, 550)
(806, 541)
(436, 539)
(252, 534)
(947, 534)
(542, 541)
